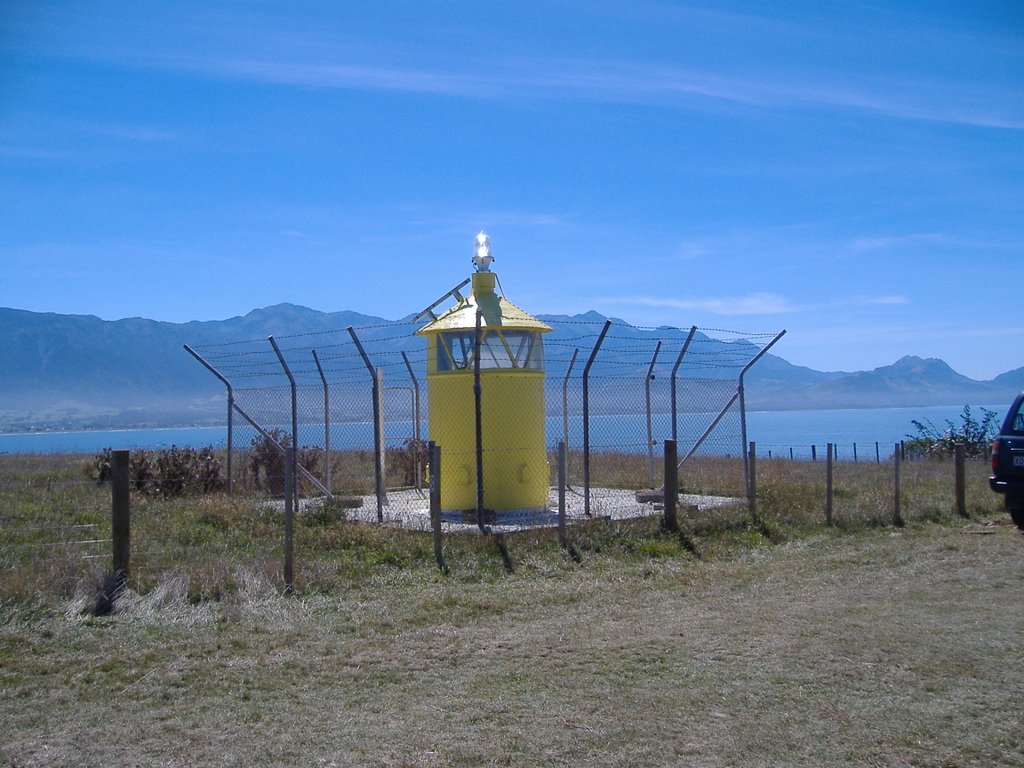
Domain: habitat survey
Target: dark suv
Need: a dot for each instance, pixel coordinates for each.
(1008, 461)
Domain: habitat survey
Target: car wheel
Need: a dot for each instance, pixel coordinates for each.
(1017, 512)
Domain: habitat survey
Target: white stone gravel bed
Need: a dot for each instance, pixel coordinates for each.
(411, 509)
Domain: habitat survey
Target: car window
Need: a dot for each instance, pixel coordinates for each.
(1017, 423)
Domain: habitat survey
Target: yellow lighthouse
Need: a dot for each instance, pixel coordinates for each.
(511, 369)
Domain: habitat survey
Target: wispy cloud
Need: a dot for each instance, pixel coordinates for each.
(761, 303)
(321, 53)
(885, 242)
(603, 81)
(350, 76)
(632, 83)
(882, 300)
(751, 304)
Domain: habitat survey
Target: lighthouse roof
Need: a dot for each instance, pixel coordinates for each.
(496, 311)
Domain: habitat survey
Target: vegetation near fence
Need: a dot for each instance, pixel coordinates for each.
(975, 436)
(56, 533)
(169, 472)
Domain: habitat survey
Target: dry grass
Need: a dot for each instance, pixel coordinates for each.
(871, 648)
(767, 641)
(55, 527)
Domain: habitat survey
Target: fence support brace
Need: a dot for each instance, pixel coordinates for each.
(231, 409)
(327, 421)
(743, 404)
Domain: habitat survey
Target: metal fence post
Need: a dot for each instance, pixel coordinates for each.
(561, 494)
(675, 370)
(231, 409)
(293, 465)
(650, 430)
(565, 396)
(586, 416)
(378, 427)
(380, 465)
(415, 421)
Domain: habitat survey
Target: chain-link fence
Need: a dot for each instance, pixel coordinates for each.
(59, 528)
(355, 403)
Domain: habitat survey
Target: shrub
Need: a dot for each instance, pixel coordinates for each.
(405, 461)
(975, 436)
(266, 461)
(169, 472)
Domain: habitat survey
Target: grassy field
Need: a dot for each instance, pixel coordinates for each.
(772, 642)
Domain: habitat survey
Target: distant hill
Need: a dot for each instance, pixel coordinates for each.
(76, 371)
(907, 382)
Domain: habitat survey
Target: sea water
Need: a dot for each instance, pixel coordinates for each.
(777, 432)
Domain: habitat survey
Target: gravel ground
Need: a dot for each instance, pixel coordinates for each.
(411, 509)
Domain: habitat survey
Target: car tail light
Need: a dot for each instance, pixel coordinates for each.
(995, 455)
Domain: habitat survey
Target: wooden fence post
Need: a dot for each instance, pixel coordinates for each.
(897, 517)
(120, 515)
(752, 481)
(828, 485)
(434, 452)
(671, 487)
(961, 493)
(289, 518)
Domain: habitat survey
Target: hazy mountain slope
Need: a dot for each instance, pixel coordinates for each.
(81, 371)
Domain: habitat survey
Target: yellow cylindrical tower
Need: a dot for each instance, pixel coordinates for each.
(515, 466)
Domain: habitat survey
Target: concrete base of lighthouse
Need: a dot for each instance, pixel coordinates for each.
(535, 516)
(411, 509)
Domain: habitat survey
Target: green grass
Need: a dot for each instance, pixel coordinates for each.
(55, 527)
(767, 640)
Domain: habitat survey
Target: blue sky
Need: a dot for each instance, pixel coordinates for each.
(850, 172)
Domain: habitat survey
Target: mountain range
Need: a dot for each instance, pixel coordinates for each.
(80, 372)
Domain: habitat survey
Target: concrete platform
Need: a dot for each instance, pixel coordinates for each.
(411, 509)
